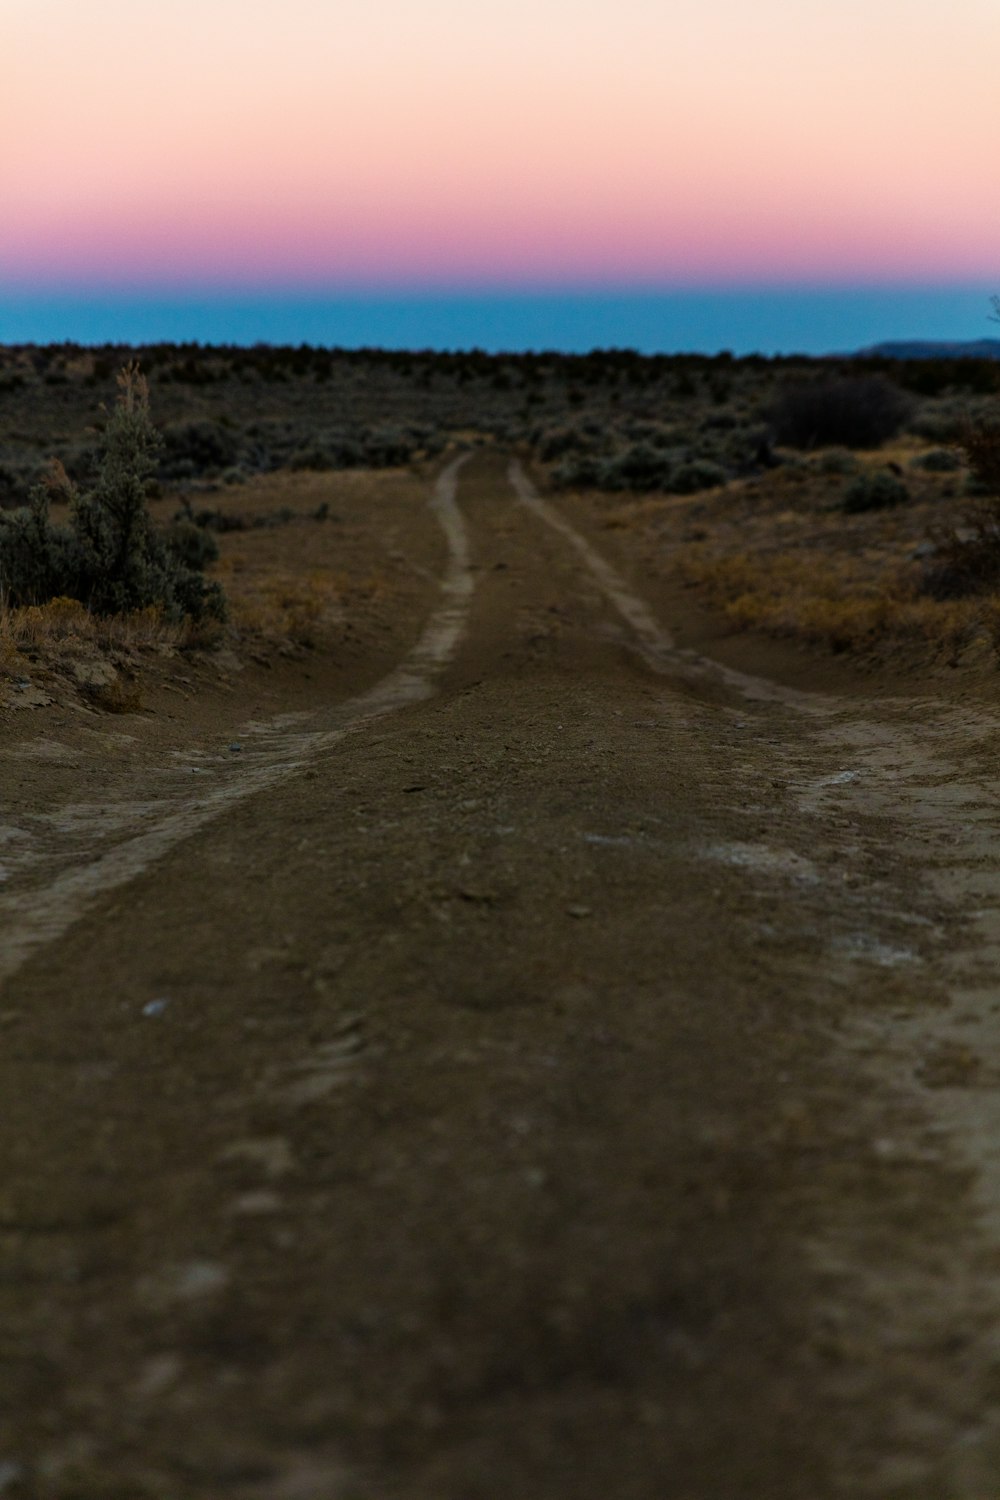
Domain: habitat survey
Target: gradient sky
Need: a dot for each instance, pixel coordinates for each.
(252, 145)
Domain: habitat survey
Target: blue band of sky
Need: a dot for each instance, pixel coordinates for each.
(744, 320)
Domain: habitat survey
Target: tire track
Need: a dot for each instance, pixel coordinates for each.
(33, 918)
(656, 645)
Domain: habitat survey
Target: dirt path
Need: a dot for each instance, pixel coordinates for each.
(556, 1068)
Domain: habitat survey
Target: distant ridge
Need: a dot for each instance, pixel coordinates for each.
(927, 349)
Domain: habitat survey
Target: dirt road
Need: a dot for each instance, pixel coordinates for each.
(518, 1059)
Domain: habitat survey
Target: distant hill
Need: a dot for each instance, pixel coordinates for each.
(927, 349)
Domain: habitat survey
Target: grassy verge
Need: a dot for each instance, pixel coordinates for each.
(784, 554)
(820, 600)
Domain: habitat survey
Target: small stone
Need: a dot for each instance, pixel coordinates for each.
(252, 1204)
(94, 673)
(155, 1007)
(158, 1374)
(188, 1282)
(579, 911)
(269, 1154)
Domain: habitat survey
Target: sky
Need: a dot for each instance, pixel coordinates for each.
(290, 155)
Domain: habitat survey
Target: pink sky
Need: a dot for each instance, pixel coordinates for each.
(389, 141)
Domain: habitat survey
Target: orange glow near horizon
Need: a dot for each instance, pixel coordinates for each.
(239, 141)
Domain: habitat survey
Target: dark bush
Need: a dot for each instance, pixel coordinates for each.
(387, 448)
(313, 457)
(109, 556)
(16, 484)
(582, 472)
(851, 412)
(557, 442)
(194, 448)
(980, 443)
(194, 546)
(641, 467)
(937, 461)
(880, 491)
(38, 561)
(967, 556)
(942, 422)
(837, 461)
(696, 474)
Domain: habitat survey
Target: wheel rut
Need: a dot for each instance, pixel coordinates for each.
(140, 833)
(494, 1101)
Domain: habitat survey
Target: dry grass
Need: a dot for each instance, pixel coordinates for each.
(779, 555)
(55, 638)
(820, 599)
(277, 605)
(41, 627)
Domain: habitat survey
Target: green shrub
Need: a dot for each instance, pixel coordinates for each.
(193, 448)
(109, 556)
(937, 461)
(880, 491)
(837, 461)
(191, 545)
(38, 561)
(696, 474)
(967, 556)
(641, 467)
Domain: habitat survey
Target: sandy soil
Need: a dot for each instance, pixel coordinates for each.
(500, 1053)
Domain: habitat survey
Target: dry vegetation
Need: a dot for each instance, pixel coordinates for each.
(846, 505)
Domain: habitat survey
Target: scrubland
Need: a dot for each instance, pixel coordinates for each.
(842, 506)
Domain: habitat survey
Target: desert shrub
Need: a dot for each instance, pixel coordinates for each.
(860, 411)
(193, 546)
(38, 561)
(581, 472)
(696, 474)
(879, 491)
(950, 419)
(980, 441)
(193, 448)
(16, 483)
(937, 461)
(719, 421)
(212, 520)
(387, 448)
(375, 448)
(345, 452)
(837, 461)
(966, 559)
(109, 555)
(641, 467)
(964, 564)
(313, 457)
(557, 442)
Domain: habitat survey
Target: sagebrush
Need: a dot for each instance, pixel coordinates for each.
(108, 555)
